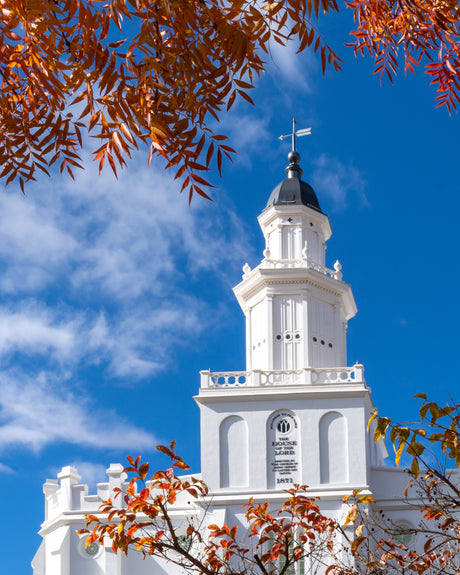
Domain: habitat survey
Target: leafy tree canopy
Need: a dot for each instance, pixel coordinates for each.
(158, 73)
(141, 519)
(432, 445)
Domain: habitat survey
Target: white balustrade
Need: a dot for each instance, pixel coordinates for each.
(259, 378)
(336, 375)
(280, 377)
(305, 263)
(224, 379)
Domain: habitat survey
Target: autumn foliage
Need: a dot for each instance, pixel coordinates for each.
(412, 32)
(142, 519)
(432, 446)
(158, 74)
(134, 73)
(284, 540)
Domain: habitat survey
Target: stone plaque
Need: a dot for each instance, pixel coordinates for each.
(283, 450)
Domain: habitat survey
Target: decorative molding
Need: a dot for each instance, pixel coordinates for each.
(303, 282)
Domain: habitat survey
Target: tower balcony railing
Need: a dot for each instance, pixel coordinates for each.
(261, 378)
(305, 263)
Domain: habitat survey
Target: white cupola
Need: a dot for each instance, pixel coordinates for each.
(296, 308)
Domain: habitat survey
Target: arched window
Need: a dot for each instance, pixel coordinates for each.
(333, 445)
(234, 456)
(297, 568)
(300, 567)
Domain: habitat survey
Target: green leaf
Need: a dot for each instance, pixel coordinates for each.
(415, 449)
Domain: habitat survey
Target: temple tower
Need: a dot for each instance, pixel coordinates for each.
(297, 414)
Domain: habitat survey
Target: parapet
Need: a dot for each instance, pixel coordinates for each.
(67, 496)
(66, 493)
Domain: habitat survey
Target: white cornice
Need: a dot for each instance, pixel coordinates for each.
(286, 392)
(325, 493)
(260, 279)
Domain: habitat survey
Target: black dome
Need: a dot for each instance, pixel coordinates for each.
(293, 191)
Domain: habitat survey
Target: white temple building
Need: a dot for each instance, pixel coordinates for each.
(297, 414)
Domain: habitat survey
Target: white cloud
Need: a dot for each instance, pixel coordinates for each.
(91, 473)
(134, 342)
(101, 259)
(248, 134)
(98, 275)
(334, 180)
(6, 469)
(124, 237)
(37, 412)
(32, 244)
(30, 328)
(139, 345)
(292, 69)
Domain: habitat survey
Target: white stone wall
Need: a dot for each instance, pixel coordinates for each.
(332, 435)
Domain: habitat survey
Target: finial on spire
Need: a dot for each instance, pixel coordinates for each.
(294, 133)
(294, 170)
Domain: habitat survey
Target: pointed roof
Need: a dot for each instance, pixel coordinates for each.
(293, 190)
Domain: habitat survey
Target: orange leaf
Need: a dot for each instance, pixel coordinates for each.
(143, 470)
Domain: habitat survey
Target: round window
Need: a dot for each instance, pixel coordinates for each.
(404, 534)
(89, 552)
(92, 549)
(185, 542)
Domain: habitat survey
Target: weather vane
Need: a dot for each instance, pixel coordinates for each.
(302, 132)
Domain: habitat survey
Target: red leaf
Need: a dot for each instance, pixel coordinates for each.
(143, 470)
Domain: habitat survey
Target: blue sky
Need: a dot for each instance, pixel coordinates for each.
(114, 294)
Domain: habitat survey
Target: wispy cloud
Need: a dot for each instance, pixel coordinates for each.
(139, 343)
(6, 469)
(292, 69)
(248, 133)
(29, 328)
(338, 182)
(87, 275)
(91, 473)
(38, 412)
(33, 244)
(102, 257)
